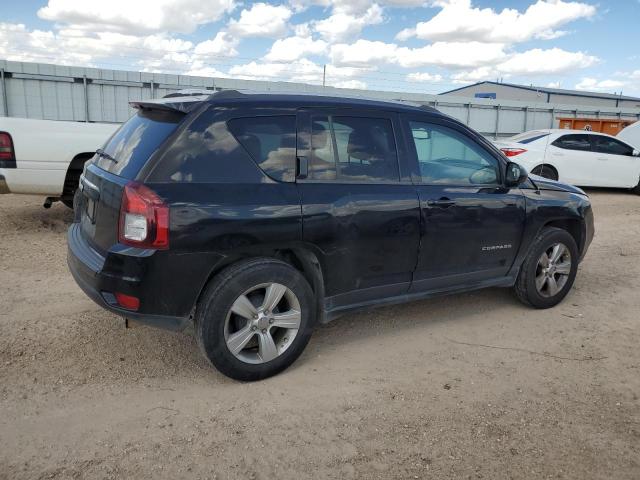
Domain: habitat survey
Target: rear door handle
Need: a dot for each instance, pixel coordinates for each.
(442, 203)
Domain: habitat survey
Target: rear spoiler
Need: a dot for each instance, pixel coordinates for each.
(174, 104)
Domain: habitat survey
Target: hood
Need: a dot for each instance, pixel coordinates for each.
(547, 184)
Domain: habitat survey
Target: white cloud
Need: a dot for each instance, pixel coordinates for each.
(303, 70)
(293, 48)
(342, 24)
(300, 71)
(424, 77)
(476, 75)
(459, 21)
(222, 45)
(530, 63)
(541, 62)
(448, 54)
(261, 20)
(354, 84)
(139, 16)
(609, 85)
(363, 53)
(72, 47)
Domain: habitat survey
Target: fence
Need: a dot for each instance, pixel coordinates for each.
(55, 92)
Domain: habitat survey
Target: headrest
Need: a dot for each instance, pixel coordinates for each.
(320, 136)
(367, 144)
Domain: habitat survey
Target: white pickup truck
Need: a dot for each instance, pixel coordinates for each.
(46, 157)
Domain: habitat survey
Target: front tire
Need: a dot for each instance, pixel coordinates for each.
(549, 269)
(255, 319)
(545, 171)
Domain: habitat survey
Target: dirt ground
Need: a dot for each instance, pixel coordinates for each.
(467, 386)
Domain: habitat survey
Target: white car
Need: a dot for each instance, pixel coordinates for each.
(46, 157)
(579, 157)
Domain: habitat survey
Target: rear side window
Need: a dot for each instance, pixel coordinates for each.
(355, 149)
(611, 146)
(127, 151)
(573, 142)
(271, 142)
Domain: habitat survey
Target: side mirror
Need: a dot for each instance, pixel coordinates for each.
(635, 153)
(516, 175)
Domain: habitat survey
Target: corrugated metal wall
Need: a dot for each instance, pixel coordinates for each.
(55, 92)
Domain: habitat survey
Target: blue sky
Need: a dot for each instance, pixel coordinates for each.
(405, 45)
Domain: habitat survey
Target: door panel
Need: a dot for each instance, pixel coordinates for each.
(367, 234)
(577, 164)
(474, 236)
(361, 219)
(471, 225)
(619, 168)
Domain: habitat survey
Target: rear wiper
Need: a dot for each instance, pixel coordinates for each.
(100, 152)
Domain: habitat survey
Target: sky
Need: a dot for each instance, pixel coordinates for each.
(402, 45)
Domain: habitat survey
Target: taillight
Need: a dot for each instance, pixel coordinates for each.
(512, 152)
(144, 218)
(7, 155)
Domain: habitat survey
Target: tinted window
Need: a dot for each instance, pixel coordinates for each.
(446, 156)
(271, 141)
(612, 146)
(136, 140)
(353, 149)
(574, 142)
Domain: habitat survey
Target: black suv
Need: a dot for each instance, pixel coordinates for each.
(252, 217)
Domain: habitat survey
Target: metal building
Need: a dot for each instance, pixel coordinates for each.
(55, 92)
(523, 93)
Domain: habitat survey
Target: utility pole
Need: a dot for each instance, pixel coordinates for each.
(324, 75)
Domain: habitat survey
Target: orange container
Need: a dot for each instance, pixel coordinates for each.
(603, 125)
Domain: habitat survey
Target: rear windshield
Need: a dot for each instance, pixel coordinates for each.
(126, 152)
(528, 137)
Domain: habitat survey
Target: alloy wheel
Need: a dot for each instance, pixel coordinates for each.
(262, 323)
(553, 269)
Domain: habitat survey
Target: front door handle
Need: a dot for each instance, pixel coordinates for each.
(442, 203)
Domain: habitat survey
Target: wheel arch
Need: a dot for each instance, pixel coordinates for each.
(549, 165)
(300, 258)
(73, 172)
(574, 226)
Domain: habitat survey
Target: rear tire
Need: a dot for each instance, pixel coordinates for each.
(544, 281)
(255, 318)
(545, 171)
(72, 179)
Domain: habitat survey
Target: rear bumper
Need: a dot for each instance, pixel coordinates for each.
(4, 188)
(88, 269)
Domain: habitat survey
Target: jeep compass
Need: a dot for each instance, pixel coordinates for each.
(254, 217)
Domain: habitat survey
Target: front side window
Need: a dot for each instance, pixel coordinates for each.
(573, 142)
(602, 144)
(446, 156)
(356, 149)
(271, 142)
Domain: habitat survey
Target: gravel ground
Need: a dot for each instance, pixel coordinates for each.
(467, 386)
